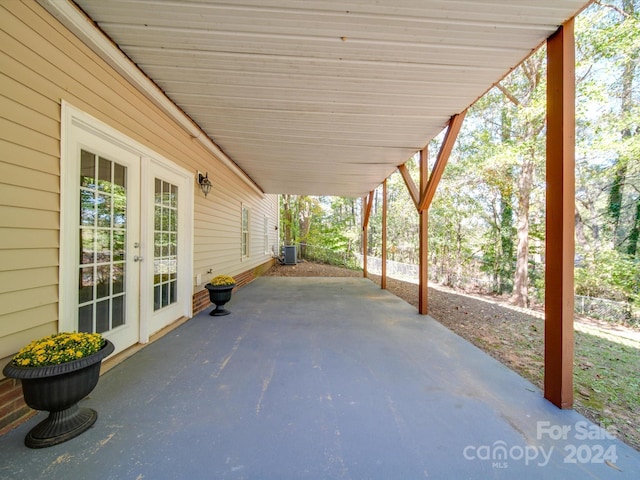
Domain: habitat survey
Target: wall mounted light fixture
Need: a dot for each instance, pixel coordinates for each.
(205, 183)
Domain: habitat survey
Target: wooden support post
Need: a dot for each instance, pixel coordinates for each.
(560, 211)
(367, 203)
(383, 278)
(365, 240)
(423, 282)
(423, 196)
(411, 186)
(426, 195)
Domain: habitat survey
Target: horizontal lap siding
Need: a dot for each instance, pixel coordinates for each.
(42, 64)
(29, 196)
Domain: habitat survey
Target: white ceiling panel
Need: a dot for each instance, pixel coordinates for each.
(325, 96)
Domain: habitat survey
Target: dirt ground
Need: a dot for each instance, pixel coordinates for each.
(513, 336)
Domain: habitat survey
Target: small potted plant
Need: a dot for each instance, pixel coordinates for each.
(220, 288)
(56, 373)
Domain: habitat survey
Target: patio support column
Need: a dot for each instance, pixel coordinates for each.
(367, 203)
(560, 211)
(423, 277)
(383, 278)
(364, 239)
(423, 196)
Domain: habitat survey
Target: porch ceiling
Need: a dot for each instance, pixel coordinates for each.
(325, 96)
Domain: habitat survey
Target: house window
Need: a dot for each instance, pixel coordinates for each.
(266, 235)
(245, 231)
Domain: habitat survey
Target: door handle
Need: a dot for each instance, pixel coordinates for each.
(137, 258)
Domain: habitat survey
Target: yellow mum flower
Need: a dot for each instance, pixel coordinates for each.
(58, 348)
(222, 280)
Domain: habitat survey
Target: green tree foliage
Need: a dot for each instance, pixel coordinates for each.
(501, 150)
(487, 217)
(297, 213)
(608, 274)
(608, 150)
(337, 226)
(402, 220)
(325, 228)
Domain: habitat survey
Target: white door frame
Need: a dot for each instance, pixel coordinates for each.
(72, 119)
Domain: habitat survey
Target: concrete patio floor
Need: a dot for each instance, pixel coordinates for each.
(319, 378)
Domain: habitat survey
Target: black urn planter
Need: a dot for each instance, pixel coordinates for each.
(58, 389)
(219, 295)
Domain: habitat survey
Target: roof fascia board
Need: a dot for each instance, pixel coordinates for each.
(85, 29)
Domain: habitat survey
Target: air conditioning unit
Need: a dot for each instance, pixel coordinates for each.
(290, 255)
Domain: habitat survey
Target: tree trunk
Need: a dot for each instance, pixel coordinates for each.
(520, 296)
(506, 211)
(632, 248)
(615, 201)
(506, 239)
(581, 239)
(616, 194)
(532, 70)
(287, 217)
(305, 215)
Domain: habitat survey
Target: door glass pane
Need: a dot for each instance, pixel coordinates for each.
(157, 298)
(173, 246)
(87, 169)
(87, 208)
(104, 175)
(87, 245)
(103, 281)
(103, 245)
(85, 319)
(102, 233)
(158, 218)
(119, 239)
(158, 192)
(165, 294)
(119, 178)
(86, 284)
(174, 197)
(103, 204)
(102, 316)
(118, 278)
(165, 235)
(117, 314)
(173, 294)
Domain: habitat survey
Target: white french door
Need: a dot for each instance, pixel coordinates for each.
(101, 239)
(165, 281)
(126, 219)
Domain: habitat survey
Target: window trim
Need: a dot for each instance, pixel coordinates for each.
(266, 236)
(245, 235)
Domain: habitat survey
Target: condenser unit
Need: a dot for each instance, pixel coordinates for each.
(290, 255)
